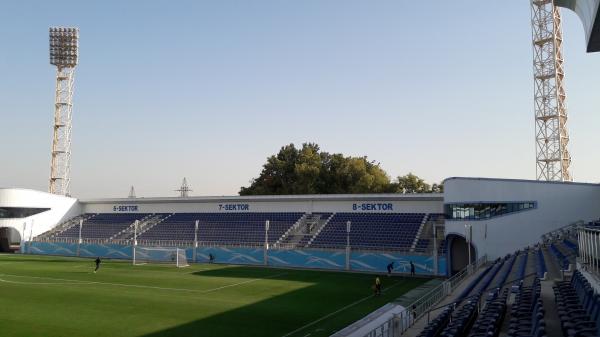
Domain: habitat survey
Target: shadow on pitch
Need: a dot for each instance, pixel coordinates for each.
(322, 294)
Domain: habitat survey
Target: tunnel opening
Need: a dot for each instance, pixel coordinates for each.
(10, 240)
(458, 253)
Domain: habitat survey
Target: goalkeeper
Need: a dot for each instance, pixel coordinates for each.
(98, 261)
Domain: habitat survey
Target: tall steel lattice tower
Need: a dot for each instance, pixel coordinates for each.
(551, 135)
(185, 189)
(64, 45)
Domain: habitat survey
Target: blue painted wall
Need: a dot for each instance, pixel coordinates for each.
(377, 262)
(308, 258)
(305, 258)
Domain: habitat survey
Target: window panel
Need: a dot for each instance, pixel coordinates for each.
(19, 212)
(483, 211)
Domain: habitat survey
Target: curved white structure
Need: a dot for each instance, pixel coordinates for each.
(588, 11)
(33, 212)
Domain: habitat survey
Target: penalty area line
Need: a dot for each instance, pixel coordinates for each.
(240, 283)
(337, 311)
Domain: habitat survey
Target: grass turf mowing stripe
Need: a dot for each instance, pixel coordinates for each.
(285, 302)
(337, 311)
(77, 282)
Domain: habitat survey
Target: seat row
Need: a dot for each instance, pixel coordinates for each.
(462, 319)
(578, 307)
(438, 324)
(490, 318)
(527, 313)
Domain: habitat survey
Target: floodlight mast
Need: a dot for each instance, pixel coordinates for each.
(64, 54)
(553, 160)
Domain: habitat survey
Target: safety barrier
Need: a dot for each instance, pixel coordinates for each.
(401, 322)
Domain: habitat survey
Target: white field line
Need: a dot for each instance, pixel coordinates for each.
(337, 311)
(244, 282)
(43, 283)
(91, 265)
(78, 282)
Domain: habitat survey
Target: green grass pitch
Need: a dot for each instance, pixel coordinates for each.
(60, 296)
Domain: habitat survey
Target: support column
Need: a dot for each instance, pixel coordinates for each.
(79, 241)
(348, 226)
(266, 248)
(435, 250)
(195, 257)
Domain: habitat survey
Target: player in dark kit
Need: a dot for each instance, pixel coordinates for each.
(390, 267)
(412, 269)
(97, 264)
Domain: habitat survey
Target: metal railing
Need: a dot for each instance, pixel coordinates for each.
(588, 240)
(401, 322)
(567, 230)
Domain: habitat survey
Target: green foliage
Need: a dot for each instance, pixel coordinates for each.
(310, 171)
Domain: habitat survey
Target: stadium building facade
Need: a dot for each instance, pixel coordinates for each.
(501, 215)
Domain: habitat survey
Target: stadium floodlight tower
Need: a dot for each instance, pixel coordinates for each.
(64, 53)
(553, 160)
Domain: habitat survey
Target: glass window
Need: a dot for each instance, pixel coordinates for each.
(19, 212)
(485, 210)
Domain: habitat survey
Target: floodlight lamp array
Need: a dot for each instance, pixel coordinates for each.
(64, 46)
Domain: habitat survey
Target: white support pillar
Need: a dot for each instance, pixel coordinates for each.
(581, 246)
(588, 248)
(595, 240)
(80, 239)
(196, 241)
(348, 229)
(135, 227)
(22, 248)
(266, 248)
(30, 236)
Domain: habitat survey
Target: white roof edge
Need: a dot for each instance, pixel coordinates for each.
(521, 180)
(259, 198)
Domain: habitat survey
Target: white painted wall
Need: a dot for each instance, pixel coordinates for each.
(61, 208)
(558, 204)
(273, 205)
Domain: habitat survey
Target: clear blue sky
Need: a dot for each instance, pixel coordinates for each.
(209, 89)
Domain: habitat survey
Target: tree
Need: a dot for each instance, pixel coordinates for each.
(410, 183)
(311, 171)
(437, 188)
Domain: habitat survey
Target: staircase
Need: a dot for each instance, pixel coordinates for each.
(422, 227)
(303, 231)
(426, 232)
(291, 230)
(144, 225)
(318, 231)
(65, 226)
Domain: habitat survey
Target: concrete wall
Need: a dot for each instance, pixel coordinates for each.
(61, 208)
(558, 204)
